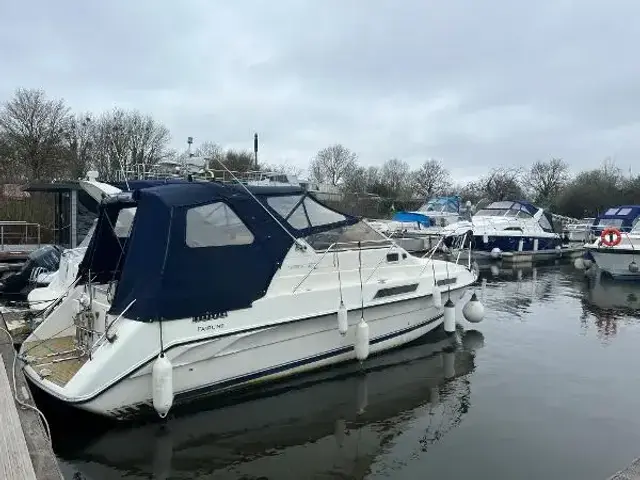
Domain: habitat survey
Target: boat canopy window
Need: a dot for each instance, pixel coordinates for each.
(504, 209)
(215, 225)
(122, 228)
(442, 205)
(624, 211)
(545, 223)
(302, 211)
(612, 211)
(611, 222)
(348, 235)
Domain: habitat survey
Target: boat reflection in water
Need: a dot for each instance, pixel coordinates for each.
(514, 289)
(332, 424)
(609, 302)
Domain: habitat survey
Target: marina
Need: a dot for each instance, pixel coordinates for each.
(534, 380)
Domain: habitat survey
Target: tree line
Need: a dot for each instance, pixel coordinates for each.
(547, 183)
(41, 139)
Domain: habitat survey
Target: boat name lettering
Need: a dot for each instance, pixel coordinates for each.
(209, 316)
(208, 328)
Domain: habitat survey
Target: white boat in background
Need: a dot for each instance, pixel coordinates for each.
(505, 226)
(580, 230)
(225, 286)
(420, 230)
(617, 253)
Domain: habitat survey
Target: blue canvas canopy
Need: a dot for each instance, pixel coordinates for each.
(435, 205)
(622, 217)
(200, 248)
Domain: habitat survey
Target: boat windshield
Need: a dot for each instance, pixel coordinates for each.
(636, 226)
(440, 205)
(348, 237)
(611, 222)
(303, 211)
(503, 212)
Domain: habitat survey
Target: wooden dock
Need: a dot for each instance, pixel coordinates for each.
(25, 450)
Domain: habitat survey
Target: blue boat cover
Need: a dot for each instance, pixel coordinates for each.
(420, 218)
(422, 215)
(167, 278)
(622, 217)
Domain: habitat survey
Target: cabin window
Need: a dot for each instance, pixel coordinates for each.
(215, 225)
(301, 214)
(624, 211)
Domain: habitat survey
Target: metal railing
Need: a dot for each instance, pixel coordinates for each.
(164, 172)
(15, 234)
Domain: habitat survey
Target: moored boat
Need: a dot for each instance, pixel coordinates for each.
(505, 226)
(217, 287)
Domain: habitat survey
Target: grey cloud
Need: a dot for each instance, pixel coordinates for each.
(477, 84)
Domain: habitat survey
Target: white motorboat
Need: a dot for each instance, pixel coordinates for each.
(505, 226)
(579, 231)
(617, 253)
(217, 287)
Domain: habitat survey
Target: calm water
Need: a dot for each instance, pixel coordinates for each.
(546, 387)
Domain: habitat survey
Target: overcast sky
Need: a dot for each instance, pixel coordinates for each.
(474, 83)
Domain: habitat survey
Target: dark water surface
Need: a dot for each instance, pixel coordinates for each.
(546, 387)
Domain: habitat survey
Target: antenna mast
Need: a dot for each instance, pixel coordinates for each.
(255, 149)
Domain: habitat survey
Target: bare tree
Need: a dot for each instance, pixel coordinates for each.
(285, 168)
(209, 150)
(331, 164)
(432, 178)
(78, 138)
(355, 180)
(503, 184)
(33, 128)
(395, 175)
(125, 139)
(546, 179)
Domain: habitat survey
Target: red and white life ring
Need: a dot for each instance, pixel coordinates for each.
(610, 237)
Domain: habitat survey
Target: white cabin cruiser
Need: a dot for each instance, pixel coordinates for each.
(617, 253)
(505, 226)
(579, 231)
(219, 287)
(420, 230)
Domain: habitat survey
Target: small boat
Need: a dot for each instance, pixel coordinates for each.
(622, 217)
(617, 252)
(216, 287)
(420, 230)
(505, 226)
(580, 231)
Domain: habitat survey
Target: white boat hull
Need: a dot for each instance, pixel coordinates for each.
(616, 263)
(230, 362)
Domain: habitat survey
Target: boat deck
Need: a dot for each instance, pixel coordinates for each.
(56, 359)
